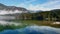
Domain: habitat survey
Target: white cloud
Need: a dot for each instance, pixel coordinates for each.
(46, 6)
(51, 4)
(37, 7)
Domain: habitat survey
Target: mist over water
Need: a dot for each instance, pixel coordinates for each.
(3, 12)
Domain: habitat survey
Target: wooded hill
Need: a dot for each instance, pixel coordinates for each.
(41, 15)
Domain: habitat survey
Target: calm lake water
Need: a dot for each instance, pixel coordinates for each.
(33, 30)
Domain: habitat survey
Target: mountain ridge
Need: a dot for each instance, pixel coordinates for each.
(4, 7)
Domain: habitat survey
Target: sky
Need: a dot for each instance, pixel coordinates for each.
(33, 4)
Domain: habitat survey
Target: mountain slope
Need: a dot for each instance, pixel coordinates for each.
(4, 7)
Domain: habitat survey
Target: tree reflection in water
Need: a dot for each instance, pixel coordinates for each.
(33, 30)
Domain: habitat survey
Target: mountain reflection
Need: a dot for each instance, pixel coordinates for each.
(33, 30)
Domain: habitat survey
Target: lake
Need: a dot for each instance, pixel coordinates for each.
(33, 30)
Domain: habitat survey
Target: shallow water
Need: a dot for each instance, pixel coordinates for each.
(33, 30)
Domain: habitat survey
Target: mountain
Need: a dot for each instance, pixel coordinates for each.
(13, 8)
(2, 6)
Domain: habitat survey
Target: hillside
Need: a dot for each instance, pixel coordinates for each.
(4, 7)
(45, 14)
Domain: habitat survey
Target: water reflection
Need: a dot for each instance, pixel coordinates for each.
(33, 30)
(2, 22)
